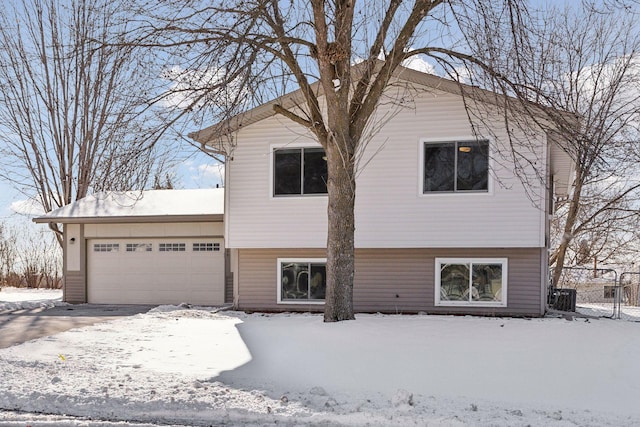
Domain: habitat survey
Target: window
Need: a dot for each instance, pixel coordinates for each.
(461, 166)
(206, 247)
(609, 292)
(139, 247)
(172, 247)
(302, 281)
(106, 247)
(471, 281)
(299, 171)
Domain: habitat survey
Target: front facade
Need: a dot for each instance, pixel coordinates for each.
(450, 218)
(443, 223)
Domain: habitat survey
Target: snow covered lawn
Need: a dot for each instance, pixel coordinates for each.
(198, 367)
(26, 298)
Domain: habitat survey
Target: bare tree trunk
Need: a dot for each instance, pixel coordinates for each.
(340, 237)
(567, 236)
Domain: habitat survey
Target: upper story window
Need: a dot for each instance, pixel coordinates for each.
(299, 171)
(459, 166)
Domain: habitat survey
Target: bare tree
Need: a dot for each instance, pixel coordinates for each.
(241, 53)
(585, 60)
(39, 261)
(604, 227)
(70, 106)
(8, 251)
(29, 257)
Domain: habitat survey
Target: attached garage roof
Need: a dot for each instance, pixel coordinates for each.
(142, 206)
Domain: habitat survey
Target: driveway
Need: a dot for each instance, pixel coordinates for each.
(19, 326)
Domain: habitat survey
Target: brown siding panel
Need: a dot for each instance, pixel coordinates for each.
(228, 278)
(75, 284)
(394, 280)
(257, 276)
(75, 289)
(228, 288)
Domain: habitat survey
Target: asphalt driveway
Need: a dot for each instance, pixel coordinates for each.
(19, 326)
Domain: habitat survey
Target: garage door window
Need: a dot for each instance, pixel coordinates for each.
(172, 247)
(106, 247)
(206, 247)
(139, 247)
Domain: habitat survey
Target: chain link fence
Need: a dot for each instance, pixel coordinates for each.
(586, 291)
(630, 295)
(597, 292)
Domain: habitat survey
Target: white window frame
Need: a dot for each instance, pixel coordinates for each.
(279, 281)
(291, 146)
(505, 285)
(421, 192)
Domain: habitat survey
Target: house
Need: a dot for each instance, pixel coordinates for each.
(149, 247)
(446, 221)
(450, 218)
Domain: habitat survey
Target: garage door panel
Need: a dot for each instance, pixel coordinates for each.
(143, 266)
(171, 263)
(186, 270)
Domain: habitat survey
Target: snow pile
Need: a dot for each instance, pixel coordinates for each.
(197, 367)
(27, 298)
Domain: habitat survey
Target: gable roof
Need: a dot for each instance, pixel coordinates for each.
(561, 162)
(209, 134)
(142, 206)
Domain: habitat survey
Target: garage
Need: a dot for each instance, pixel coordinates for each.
(155, 271)
(145, 247)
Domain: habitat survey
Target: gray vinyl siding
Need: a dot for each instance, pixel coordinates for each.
(395, 280)
(257, 277)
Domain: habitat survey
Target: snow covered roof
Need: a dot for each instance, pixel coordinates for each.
(148, 206)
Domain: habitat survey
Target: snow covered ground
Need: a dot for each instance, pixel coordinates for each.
(19, 298)
(625, 312)
(181, 366)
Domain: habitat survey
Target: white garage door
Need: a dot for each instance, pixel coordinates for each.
(155, 271)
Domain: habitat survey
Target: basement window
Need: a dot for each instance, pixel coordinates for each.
(471, 282)
(302, 280)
